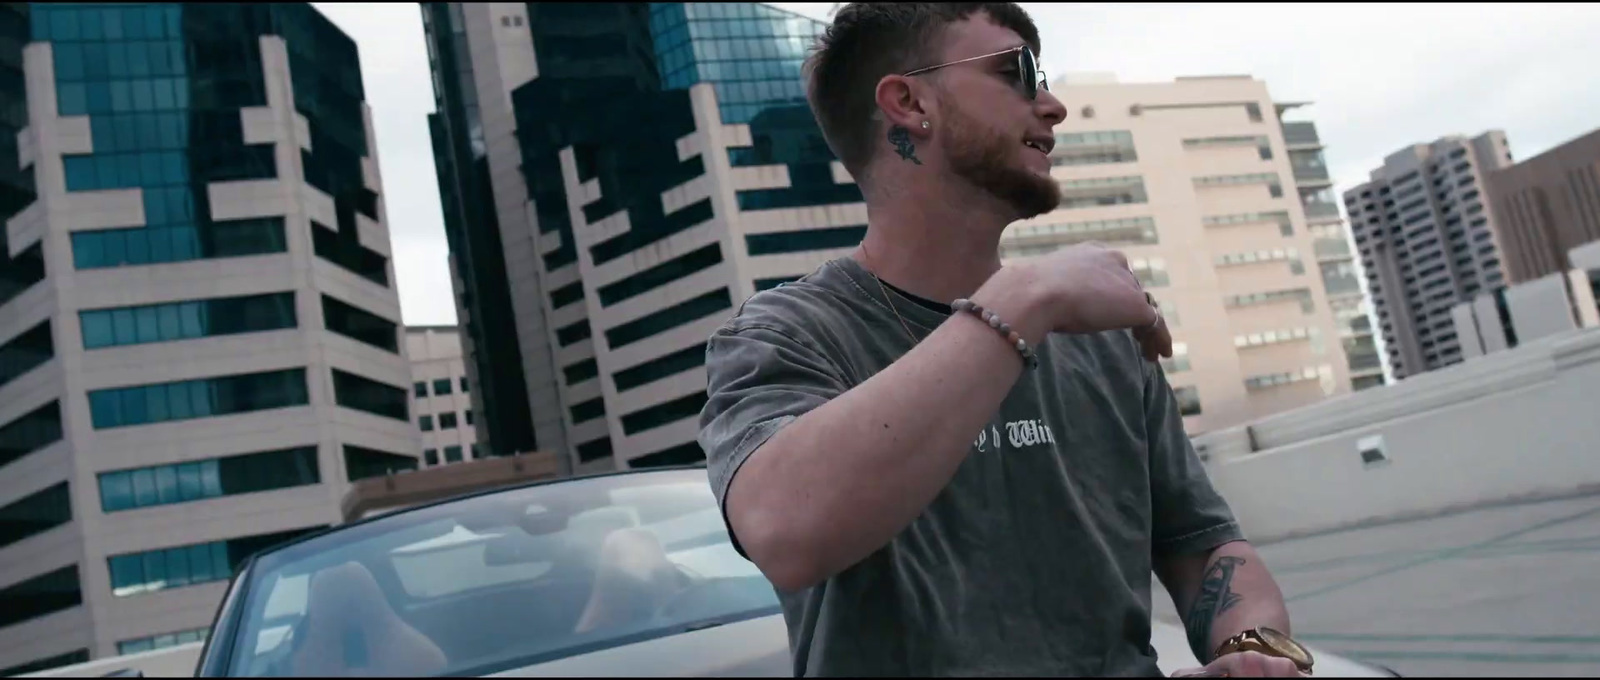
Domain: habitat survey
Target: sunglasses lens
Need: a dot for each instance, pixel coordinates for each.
(1029, 72)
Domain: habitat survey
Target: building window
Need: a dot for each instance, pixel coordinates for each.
(1128, 230)
(477, 451)
(180, 242)
(441, 386)
(207, 397)
(660, 275)
(355, 392)
(37, 429)
(26, 352)
(1260, 382)
(683, 219)
(1150, 272)
(452, 454)
(580, 372)
(573, 332)
(464, 389)
(589, 410)
(155, 570)
(214, 478)
(663, 413)
(360, 325)
(1103, 191)
(1093, 148)
(44, 594)
(805, 240)
(682, 454)
(1179, 361)
(1274, 184)
(425, 423)
(187, 320)
(163, 641)
(677, 362)
(1281, 217)
(431, 456)
(467, 415)
(1262, 143)
(1188, 400)
(36, 513)
(447, 421)
(1273, 337)
(594, 450)
(1301, 295)
(361, 463)
(420, 389)
(685, 312)
(348, 254)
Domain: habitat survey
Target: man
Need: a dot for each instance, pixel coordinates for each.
(924, 498)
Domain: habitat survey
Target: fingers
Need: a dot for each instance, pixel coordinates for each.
(1252, 665)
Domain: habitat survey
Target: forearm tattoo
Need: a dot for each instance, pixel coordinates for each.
(1216, 596)
(901, 139)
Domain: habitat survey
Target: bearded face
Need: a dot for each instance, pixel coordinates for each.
(996, 161)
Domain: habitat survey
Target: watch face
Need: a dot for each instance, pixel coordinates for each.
(1285, 645)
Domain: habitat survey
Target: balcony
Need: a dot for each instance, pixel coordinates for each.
(1330, 248)
(1319, 209)
(1301, 134)
(1311, 175)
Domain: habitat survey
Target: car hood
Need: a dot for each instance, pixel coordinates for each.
(760, 648)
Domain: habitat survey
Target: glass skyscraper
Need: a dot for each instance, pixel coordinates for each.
(199, 340)
(669, 168)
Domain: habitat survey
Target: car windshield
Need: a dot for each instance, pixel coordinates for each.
(499, 581)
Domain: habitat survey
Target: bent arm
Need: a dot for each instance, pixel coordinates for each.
(841, 480)
(1222, 593)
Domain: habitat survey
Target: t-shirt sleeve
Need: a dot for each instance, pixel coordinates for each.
(758, 380)
(1188, 514)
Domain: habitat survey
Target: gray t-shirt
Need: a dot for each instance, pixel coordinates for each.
(1036, 559)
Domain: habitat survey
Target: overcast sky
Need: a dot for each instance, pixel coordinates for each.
(1380, 77)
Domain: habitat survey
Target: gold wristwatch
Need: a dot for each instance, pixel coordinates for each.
(1270, 642)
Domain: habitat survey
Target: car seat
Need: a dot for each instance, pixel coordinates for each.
(351, 630)
(633, 580)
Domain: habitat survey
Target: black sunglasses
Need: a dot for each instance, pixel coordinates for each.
(1028, 71)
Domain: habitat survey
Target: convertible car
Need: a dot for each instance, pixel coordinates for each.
(620, 574)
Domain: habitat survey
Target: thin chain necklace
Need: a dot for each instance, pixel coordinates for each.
(889, 299)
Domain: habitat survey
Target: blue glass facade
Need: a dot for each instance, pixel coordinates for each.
(752, 55)
(162, 85)
(613, 86)
(17, 272)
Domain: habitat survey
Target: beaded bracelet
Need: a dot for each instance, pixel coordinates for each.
(1029, 358)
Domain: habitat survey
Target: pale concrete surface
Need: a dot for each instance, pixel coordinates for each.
(1504, 591)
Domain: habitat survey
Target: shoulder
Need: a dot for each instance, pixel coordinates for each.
(796, 309)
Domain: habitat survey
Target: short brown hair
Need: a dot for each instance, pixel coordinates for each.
(869, 40)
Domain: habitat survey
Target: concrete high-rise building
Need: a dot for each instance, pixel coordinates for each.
(1427, 241)
(1545, 206)
(669, 168)
(477, 56)
(1229, 224)
(441, 395)
(198, 338)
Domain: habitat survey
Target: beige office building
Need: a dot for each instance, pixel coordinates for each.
(441, 401)
(1243, 247)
